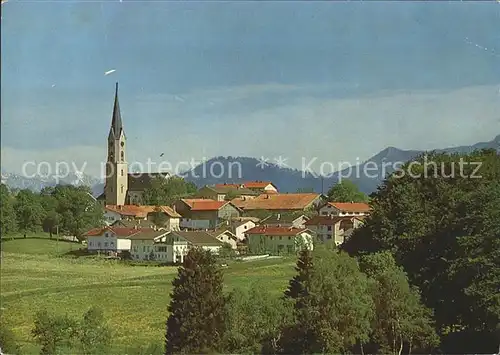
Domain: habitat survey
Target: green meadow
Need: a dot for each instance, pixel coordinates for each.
(38, 273)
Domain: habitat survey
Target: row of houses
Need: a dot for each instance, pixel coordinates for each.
(211, 219)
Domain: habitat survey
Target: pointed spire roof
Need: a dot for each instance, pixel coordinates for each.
(116, 122)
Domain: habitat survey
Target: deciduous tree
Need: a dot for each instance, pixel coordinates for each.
(8, 223)
(332, 307)
(346, 191)
(439, 217)
(401, 321)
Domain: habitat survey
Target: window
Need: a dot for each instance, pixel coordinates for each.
(106, 244)
(122, 172)
(121, 189)
(143, 248)
(122, 155)
(99, 244)
(329, 228)
(122, 144)
(90, 243)
(112, 243)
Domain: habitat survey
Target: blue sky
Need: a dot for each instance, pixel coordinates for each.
(336, 81)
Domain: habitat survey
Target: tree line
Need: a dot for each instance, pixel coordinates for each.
(421, 275)
(61, 209)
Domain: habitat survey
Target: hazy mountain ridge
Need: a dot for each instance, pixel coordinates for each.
(287, 180)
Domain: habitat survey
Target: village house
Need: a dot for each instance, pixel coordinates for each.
(336, 228)
(165, 217)
(204, 213)
(239, 228)
(257, 186)
(281, 203)
(219, 193)
(169, 217)
(225, 236)
(285, 220)
(127, 223)
(278, 240)
(113, 240)
(345, 209)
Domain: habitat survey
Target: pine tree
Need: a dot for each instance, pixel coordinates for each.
(196, 321)
(298, 284)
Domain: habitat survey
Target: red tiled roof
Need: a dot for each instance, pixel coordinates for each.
(257, 184)
(326, 220)
(298, 201)
(131, 210)
(351, 206)
(141, 211)
(201, 204)
(275, 230)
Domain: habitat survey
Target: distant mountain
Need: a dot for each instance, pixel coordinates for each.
(37, 183)
(367, 175)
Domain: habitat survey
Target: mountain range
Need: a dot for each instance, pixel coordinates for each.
(367, 176)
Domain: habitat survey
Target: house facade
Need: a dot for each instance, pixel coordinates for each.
(109, 239)
(169, 218)
(205, 213)
(225, 236)
(333, 228)
(166, 217)
(285, 220)
(352, 209)
(278, 240)
(239, 228)
(219, 193)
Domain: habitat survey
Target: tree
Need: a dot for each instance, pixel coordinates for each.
(303, 190)
(230, 195)
(196, 320)
(159, 218)
(52, 218)
(299, 285)
(77, 210)
(253, 321)
(8, 223)
(332, 307)
(94, 334)
(401, 320)
(346, 191)
(437, 216)
(53, 333)
(165, 191)
(29, 212)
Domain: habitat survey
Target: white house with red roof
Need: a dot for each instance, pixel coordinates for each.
(333, 228)
(278, 240)
(345, 209)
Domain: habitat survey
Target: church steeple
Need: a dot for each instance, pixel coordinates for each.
(116, 186)
(116, 122)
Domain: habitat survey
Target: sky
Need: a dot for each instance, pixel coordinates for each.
(335, 81)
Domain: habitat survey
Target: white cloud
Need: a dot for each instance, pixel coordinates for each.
(295, 126)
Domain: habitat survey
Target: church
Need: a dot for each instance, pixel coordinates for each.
(121, 187)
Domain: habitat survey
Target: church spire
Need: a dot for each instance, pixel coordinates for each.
(116, 123)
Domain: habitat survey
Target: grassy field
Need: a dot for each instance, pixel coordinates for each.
(36, 274)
